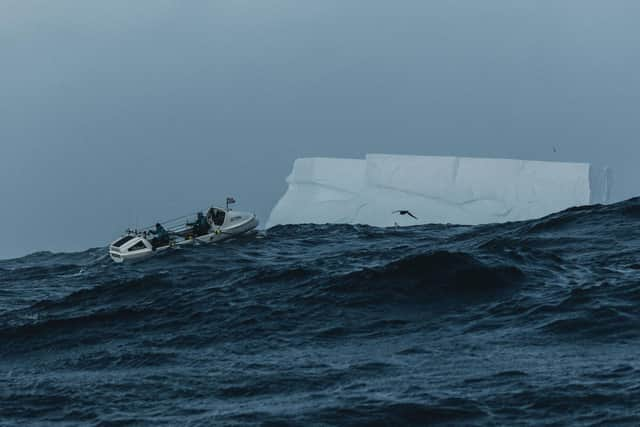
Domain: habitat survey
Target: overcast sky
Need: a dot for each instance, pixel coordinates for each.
(116, 112)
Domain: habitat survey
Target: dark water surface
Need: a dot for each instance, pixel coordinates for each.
(531, 323)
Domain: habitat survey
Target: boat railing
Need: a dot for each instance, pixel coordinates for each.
(175, 225)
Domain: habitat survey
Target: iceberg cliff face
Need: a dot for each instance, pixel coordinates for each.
(454, 190)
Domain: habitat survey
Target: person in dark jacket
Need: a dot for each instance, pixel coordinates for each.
(161, 236)
(201, 226)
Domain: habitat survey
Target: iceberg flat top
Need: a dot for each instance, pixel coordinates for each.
(435, 189)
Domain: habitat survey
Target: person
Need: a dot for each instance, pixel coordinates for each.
(201, 226)
(161, 236)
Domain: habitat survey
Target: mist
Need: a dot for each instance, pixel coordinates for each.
(117, 114)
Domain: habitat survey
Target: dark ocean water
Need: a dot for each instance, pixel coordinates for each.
(530, 323)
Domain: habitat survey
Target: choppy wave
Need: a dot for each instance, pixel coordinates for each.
(514, 324)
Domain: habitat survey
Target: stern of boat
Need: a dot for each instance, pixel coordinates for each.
(130, 248)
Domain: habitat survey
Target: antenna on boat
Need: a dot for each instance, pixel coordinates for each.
(230, 201)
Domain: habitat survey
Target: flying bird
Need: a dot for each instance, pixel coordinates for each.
(406, 213)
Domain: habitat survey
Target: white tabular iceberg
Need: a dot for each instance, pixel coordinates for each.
(454, 190)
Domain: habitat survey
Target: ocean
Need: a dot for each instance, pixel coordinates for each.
(527, 323)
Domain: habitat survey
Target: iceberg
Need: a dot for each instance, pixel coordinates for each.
(435, 189)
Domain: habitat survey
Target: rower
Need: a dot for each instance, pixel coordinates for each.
(161, 236)
(200, 226)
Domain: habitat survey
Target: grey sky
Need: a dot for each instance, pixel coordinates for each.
(123, 111)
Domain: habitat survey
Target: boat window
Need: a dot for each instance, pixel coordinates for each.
(138, 246)
(218, 217)
(122, 241)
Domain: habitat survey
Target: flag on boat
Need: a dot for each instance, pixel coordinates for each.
(230, 200)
